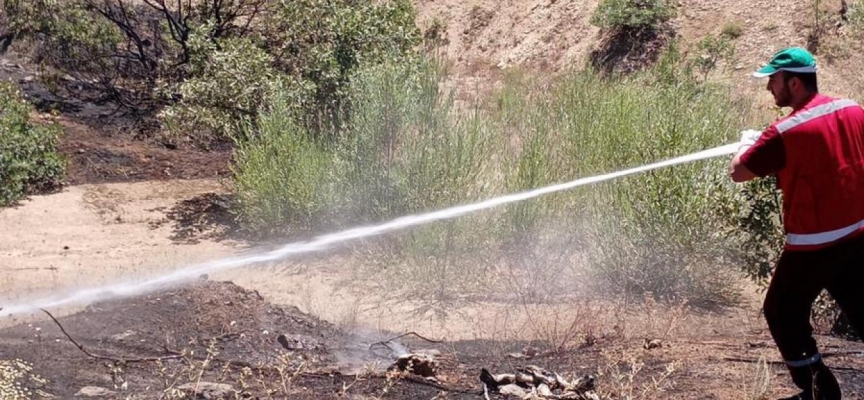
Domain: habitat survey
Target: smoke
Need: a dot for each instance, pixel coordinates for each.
(324, 242)
(363, 349)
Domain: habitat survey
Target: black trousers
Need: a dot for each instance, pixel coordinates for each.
(798, 279)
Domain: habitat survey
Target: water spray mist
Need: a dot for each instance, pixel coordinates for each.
(323, 242)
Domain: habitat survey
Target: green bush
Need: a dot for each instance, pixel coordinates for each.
(855, 15)
(398, 153)
(310, 47)
(405, 149)
(280, 171)
(225, 88)
(657, 232)
(401, 152)
(632, 15)
(325, 41)
(29, 162)
(210, 62)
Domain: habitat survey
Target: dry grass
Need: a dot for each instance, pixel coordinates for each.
(628, 381)
(17, 382)
(760, 385)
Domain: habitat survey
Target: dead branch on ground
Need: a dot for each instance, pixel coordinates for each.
(172, 355)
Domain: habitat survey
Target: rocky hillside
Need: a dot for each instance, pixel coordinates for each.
(482, 37)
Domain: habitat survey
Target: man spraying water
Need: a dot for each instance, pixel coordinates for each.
(817, 155)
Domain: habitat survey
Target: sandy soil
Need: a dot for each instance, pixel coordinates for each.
(95, 234)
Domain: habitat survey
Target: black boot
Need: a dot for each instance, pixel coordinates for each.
(816, 382)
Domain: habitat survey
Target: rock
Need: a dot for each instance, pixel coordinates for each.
(297, 342)
(94, 391)
(418, 364)
(544, 391)
(513, 390)
(209, 390)
(120, 336)
(652, 344)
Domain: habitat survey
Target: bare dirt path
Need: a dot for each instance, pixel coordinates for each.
(95, 234)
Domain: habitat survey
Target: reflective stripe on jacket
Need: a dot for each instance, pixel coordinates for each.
(823, 179)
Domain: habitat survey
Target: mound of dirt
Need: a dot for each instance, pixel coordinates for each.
(207, 329)
(216, 340)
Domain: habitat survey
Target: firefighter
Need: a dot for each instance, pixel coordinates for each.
(817, 156)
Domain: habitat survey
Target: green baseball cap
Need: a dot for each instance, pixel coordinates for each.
(792, 59)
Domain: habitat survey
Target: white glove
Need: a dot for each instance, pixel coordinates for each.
(749, 137)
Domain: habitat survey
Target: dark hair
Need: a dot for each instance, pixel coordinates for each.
(807, 79)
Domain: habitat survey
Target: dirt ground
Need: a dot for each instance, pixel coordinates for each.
(135, 208)
(122, 230)
(219, 333)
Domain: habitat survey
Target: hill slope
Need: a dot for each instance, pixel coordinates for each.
(483, 36)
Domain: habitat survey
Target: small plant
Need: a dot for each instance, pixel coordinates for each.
(855, 16)
(713, 50)
(759, 387)
(759, 226)
(732, 30)
(632, 15)
(435, 34)
(822, 31)
(628, 379)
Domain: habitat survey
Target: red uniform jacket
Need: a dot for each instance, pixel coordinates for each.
(817, 153)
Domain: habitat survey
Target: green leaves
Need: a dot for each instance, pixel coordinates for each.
(324, 42)
(309, 48)
(632, 14)
(29, 162)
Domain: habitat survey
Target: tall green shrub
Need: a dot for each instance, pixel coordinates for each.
(659, 232)
(405, 150)
(281, 169)
(29, 162)
(399, 152)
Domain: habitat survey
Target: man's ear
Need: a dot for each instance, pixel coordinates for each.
(794, 83)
